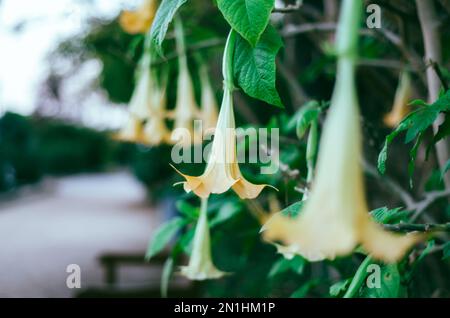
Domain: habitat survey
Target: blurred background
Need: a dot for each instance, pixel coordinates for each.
(70, 193)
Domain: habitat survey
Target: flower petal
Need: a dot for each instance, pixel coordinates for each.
(384, 245)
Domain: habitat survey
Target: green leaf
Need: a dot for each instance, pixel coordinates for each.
(188, 210)
(415, 125)
(446, 169)
(443, 131)
(279, 267)
(165, 276)
(283, 265)
(293, 210)
(163, 236)
(390, 284)
(249, 18)
(255, 69)
(164, 16)
(412, 158)
(303, 290)
(226, 212)
(307, 115)
(388, 216)
(446, 253)
(382, 157)
(340, 287)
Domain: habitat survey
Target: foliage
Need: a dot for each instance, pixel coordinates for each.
(305, 77)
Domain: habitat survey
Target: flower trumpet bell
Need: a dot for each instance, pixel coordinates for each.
(133, 131)
(200, 265)
(222, 171)
(209, 103)
(141, 99)
(155, 129)
(402, 97)
(186, 109)
(139, 21)
(335, 216)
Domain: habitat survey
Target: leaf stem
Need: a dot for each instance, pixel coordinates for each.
(359, 278)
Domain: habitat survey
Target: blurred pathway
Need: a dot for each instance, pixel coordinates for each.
(73, 221)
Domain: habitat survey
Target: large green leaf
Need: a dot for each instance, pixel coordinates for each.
(164, 16)
(390, 284)
(446, 252)
(226, 211)
(163, 236)
(386, 216)
(283, 265)
(248, 17)
(254, 67)
(340, 287)
(415, 125)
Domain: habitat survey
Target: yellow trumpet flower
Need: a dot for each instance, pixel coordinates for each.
(141, 98)
(155, 129)
(186, 109)
(200, 265)
(139, 21)
(209, 102)
(401, 107)
(222, 171)
(335, 218)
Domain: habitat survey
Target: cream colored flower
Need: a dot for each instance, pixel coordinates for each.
(209, 102)
(155, 129)
(222, 171)
(139, 21)
(335, 217)
(186, 109)
(401, 107)
(200, 265)
(133, 131)
(142, 97)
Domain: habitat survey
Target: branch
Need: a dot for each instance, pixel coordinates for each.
(392, 184)
(191, 48)
(430, 198)
(407, 227)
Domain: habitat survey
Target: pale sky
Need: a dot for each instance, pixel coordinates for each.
(22, 54)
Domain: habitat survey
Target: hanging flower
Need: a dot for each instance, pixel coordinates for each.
(139, 21)
(186, 109)
(209, 103)
(133, 131)
(200, 265)
(144, 91)
(155, 129)
(401, 107)
(335, 218)
(222, 171)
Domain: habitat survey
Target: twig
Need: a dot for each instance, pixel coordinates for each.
(430, 198)
(298, 95)
(393, 185)
(289, 8)
(191, 48)
(407, 227)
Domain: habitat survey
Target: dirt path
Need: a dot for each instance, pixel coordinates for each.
(73, 222)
